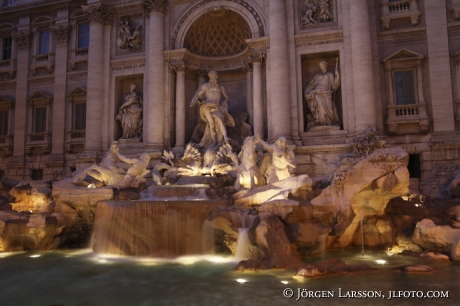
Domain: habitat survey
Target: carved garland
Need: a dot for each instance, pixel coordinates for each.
(156, 6)
(201, 3)
(99, 12)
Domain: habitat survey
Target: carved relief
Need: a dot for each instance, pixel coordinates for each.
(155, 6)
(317, 13)
(130, 35)
(99, 13)
(22, 39)
(61, 32)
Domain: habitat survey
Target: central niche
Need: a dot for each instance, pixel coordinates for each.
(219, 32)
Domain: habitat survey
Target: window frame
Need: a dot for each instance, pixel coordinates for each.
(414, 87)
(79, 33)
(39, 100)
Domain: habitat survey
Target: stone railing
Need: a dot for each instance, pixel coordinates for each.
(410, 118)
(42, 61)
(6, 145)
(78, 55)
(8, 66)
(75, 140)
(41, 141)
(399, 9)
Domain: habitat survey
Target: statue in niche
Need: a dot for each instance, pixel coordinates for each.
(325, 11)
(213, 112)
(280, 161)
(130, 115)
(127, 38)
(319, 95)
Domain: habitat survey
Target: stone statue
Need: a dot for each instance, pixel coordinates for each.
(130, 115)
(138, 168)
(124, 34)
(307, 17)
(319, 97)
(248, 172)
(276, 165)
(213, 112)
(107, 171)
(325, 11)
(135, 41)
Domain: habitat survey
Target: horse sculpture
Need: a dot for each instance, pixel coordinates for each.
(248, 173)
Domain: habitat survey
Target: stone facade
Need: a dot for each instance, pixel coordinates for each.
(66, 68)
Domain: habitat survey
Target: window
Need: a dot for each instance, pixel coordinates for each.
(40, 119)
(83, 35)
(6, 47)
(404, 87)
(37, 174)
(3, 123)
(44, 42)
(80, 116)
(414, 165)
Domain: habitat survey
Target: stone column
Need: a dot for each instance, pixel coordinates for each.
(21, 124)
(179, 68)
(258, 110)
(439, 66)
(99, 15)
(61, 33)
(363, 77)
(279, 106)
(154, 136)
(249, 94)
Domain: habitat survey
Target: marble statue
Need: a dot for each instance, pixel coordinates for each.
(135, 41)
(130, 115)
(137, 169)
(277, 165)
(248, 172)
(319, 95)
(325, 11)
(213, 111)
(107, 171)
(128, 39)
(308, 16)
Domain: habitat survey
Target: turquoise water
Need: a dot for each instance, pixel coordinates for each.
(82, 278)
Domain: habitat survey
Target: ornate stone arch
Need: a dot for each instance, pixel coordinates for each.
(251, 15)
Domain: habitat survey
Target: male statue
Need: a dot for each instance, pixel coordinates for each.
(319, 97)
(213, 112)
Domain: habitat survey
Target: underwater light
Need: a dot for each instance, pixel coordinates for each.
(241, 280)
(381, 261)
(34, 256)
(284, 282)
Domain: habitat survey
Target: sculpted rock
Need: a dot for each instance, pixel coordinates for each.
(434, 256)
(298, 185)
(365, 188)
(415, 268)
(33, 196)
(440, 238)
(277, 250)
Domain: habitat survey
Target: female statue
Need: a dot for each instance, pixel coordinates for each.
(130, 115)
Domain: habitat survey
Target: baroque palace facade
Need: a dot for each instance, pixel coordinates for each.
(68, 66)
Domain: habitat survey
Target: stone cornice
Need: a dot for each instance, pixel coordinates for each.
(42, 7)
(99, 13)
(156, 6)
(197, 62)
(126, 63)
(453, 26)
(321, 38)
(398, 34)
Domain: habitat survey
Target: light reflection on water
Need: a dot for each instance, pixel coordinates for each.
(82, 278)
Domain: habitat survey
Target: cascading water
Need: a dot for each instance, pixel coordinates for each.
(158, 228)
(245, 222)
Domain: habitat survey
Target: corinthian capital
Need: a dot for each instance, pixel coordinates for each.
(178, 66)
(99, 12)
(22, 38)
(155, 6)
(61, 32)
(257, 56)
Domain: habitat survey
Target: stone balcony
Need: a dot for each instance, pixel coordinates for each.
(407, 119)
(42, 61)
(8, 66)
(38, 143)
(75, 141)
(399, 9)
(78, 55)
(6, 145)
